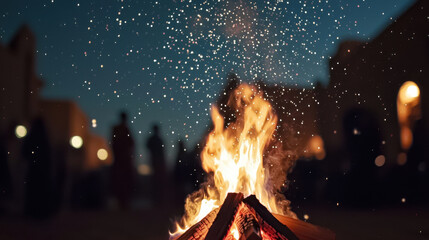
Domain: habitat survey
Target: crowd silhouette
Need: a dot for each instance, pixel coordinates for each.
(40, 179)
(164, 187)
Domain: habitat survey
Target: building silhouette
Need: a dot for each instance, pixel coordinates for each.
(369, 75)
(21, 104)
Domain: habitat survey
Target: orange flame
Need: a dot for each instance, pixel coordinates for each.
(234, 156)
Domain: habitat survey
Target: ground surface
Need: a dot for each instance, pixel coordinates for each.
(391, 223)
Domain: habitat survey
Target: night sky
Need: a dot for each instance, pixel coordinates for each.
(166, 61)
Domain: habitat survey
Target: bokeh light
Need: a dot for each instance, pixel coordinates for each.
(409, 92)
(317, 147)
(406, 137)
(380, 160)
(402, 159)
(102, 154)
(76, 142)
(94, 123)
(20, 131)
(144, 169)
(408, 109)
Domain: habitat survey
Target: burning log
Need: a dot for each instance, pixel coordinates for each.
(200, 229)
(251, 220)
(248, 225)
(267, 219)
(223, 221)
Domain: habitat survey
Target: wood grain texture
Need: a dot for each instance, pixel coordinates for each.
(304, 230)
(224, 218)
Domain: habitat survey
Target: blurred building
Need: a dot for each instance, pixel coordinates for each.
(384, 81)
(75, 149)
(369, 124)
(19, 83)
(377, 90)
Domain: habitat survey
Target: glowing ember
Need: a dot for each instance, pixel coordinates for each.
(234, 158)
(233, 233)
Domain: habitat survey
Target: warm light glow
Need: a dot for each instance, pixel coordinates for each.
(76, 142)
(402, 159)
(102, 154)
(380, 160)
(144, 169)
(412, 91)
(409, 92)
(317, 147)
(408, 107)
(235, 234)
(94, 123)
(406, 137)
(235, 156)
(20, 131)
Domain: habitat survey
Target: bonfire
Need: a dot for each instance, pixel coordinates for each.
(241, 199)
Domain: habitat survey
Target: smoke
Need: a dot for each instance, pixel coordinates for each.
(278, 163)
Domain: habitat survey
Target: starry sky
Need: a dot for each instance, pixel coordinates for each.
(165, 61)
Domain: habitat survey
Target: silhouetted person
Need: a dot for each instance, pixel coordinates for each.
(5, 180)
(182, 173)
(37, 152)
(363, 141)
(415, 179)
(157, 157)
(198, 175)
(122, 173)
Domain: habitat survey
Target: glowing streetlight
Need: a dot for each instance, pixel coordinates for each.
(76, 142)
(20, 131)
(102, 154)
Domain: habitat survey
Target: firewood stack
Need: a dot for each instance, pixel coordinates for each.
(252, 221)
